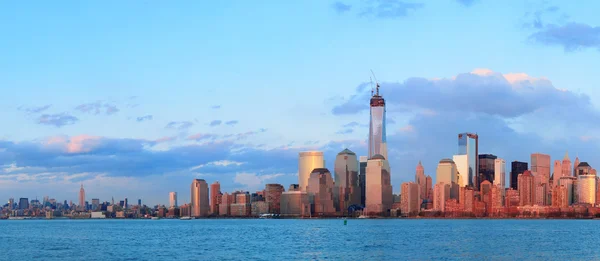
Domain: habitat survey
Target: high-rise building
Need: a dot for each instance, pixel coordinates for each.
(582, 168)
(410, 204)
(540, 166)
(446, 173)
(500, 174)
(173, 199)
(468, 144)
(273, 197)
(81, 197)
(557, 172)
(586, 184)
(320, 192)
(487, 170)
(295, 203)
(199, 202)
(567, 170)
(362, 178)
(378, 188)
(139, 202)
(526, 189)
(215, 192)
(429, 181)
(441, 193)
(421, 181)
(575, 165)
(462, 169)
(570, 184)
(516, 168)
(346, 191)
(377, 135)
(540, 195)
(307, 162)
(23, 203)
(485, 190)
(95, 203)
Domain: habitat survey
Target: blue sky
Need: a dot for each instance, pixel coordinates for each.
(132, 98)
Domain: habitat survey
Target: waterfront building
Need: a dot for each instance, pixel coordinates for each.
(307, 161)
(378, 186)
(173, 199)
(468, 144)
(467, 196)
(81, 197)
(377, 125)
(225, 206)
(362, 178)
(575, 165)
(273, 197)
(497, 199)
(516, 168)
(421, 181)
(526, 189)
(242, 206)
(295, 203)
(259, 208)
(215, 192)
(512, 198)
(582, 169)
(441, 193)
(294, 187)
(320, 192)
(462, 169)
(199, 201)
(540, 167)
(346, 190)
(560, 196)
(410, 199)
(485, 191)
(446, 174)
(487, 168)
(95, 204)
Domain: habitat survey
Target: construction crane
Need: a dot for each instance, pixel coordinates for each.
(376, 84)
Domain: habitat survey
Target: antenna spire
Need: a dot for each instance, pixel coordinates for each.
(371, 79)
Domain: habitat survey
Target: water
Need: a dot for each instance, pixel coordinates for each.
(272, 239)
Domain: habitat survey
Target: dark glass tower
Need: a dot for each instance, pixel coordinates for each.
(486, 168)
(516, 168)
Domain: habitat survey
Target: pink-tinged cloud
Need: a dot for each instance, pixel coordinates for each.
(165, 139)
(75, 144)
(202, 136)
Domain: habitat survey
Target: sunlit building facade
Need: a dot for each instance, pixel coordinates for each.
(526, 189)
(586, 188)
(215, 192)
(421, 181)
(378, 188)
(500, 174)
(273, 197)
(307, 162)
(173, 199)
(446, 173)
(199, 201)
(320, 192)
(410, 203)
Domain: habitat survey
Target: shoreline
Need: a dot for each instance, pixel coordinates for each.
(320, 218)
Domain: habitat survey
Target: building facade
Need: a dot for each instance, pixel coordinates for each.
(320, 192)
(516, 168)
(410, 199)
(468, 144)
(173, 199)
(487, 168)
(378, 188)
(199, 200)
(307, 161)
(377, 125)
(346, 190)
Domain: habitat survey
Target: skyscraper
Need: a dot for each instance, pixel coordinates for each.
(307, 162)
(377, 136)
(586, 184)
(575, 165)
(273, 197)
(173, 199)
(557, 173)
(487, 169)
(81, 196)
(540, 166)
(516, 168)
(526, 189)
(421, 182)
(215, 192)
(346, 191)
(362, 175)
(410, 203)
(567, 170)
(468, 144)
(446, 174)
(320, 192)
(500, 174)
(199, 202)
(378, 186)
(582, 168)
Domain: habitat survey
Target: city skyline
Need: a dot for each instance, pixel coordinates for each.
(139, 111)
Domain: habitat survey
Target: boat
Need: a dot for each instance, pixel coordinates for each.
(155, 218)
(185, 218)
(363, 216)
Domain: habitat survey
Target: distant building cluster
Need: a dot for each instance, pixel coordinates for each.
(468, 184)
